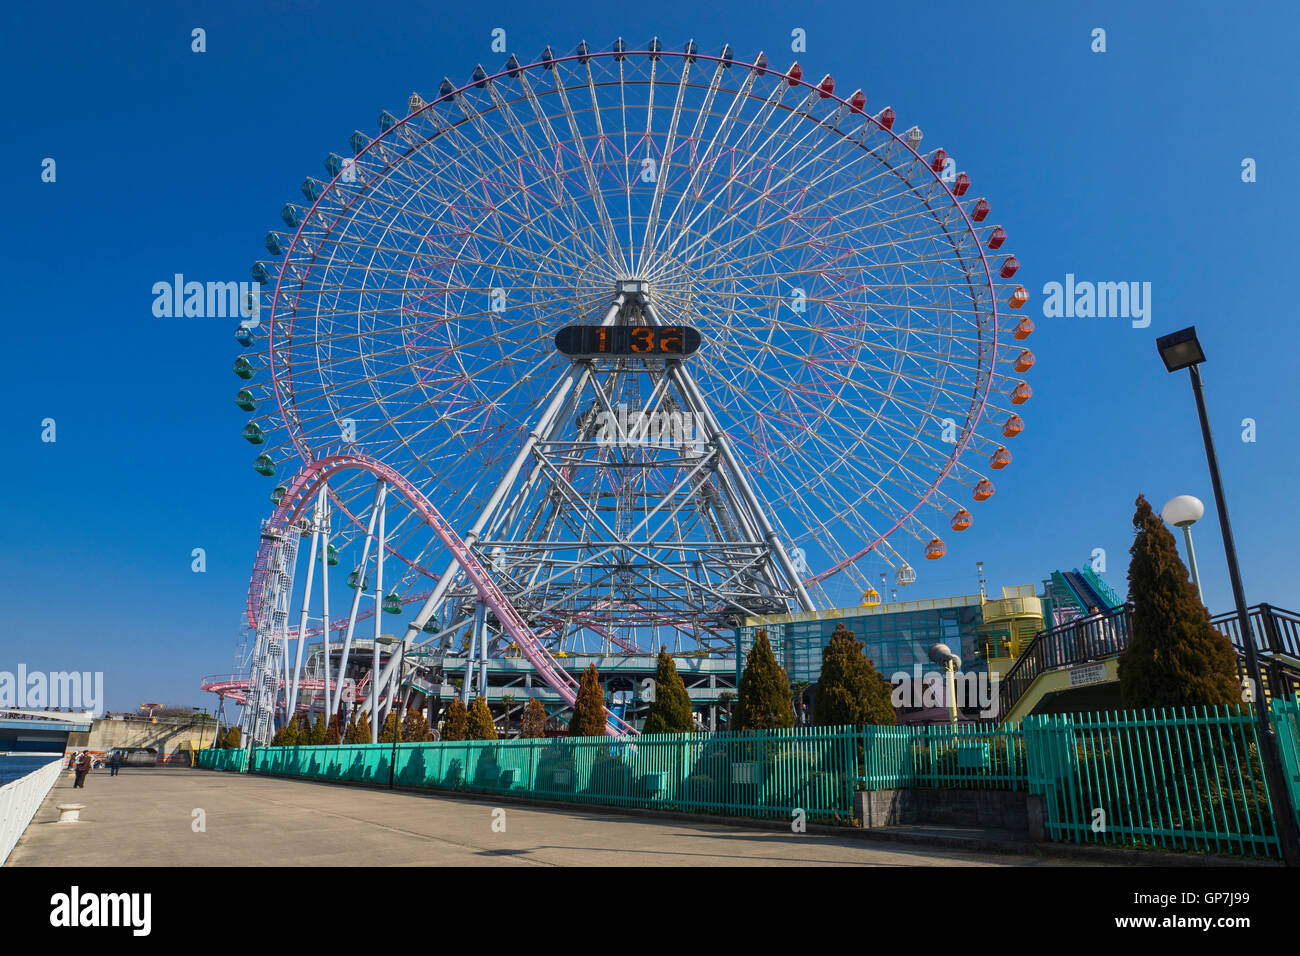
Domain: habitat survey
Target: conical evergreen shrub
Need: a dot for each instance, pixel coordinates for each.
(415, 727)
(389, 732)
(850, 690)
(534, 721)
(456, 726)
(670, 711)
(1175, 657)
(764, 701)
(481, 726)
(589, 709)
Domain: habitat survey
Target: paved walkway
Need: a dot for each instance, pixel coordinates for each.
(144, 817)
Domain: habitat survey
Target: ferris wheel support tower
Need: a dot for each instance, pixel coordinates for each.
(552, 555)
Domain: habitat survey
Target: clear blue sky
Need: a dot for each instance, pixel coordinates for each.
(1117, 166)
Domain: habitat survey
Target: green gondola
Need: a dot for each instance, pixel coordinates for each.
(253, 434)
(244, 399)
(332, 556)
(278, 494)
(264, 465)
(392, 604)
(243, 367)
(352, 581)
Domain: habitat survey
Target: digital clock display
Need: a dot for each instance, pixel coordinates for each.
(593, 341)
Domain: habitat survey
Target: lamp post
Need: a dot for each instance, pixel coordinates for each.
(1183, 512)
(1181, 350)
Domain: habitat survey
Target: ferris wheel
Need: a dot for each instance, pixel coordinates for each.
(856, 369)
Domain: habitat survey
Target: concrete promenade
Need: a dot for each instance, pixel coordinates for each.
(145, 817)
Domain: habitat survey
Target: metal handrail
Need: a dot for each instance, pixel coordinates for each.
(1276, 631)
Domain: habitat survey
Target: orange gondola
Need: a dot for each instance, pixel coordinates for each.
(1001, 458)
(935, 550)
(961, 520)
(1024, 361)
(1021, 394)
(1019, 296)
(1014, 426)
(984, 490)
(1024, 328)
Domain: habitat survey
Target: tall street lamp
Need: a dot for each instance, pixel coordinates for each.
(1183, 512)
(1181, 350)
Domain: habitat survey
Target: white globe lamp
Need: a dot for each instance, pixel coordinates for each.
(1183, 512)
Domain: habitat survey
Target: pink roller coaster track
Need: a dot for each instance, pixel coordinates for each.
(299, 496)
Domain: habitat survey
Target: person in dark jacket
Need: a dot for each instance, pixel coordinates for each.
(114, 762)
(82, 767)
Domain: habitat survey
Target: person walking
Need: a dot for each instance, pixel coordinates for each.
(82, 767)
(114, 762)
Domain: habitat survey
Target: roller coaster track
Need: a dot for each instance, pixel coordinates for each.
(298, 497)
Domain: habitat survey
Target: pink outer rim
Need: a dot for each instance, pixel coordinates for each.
(958, 449)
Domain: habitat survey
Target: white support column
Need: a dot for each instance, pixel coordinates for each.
(324, 509)
(291, 695)
(379, 614)
(356, 599)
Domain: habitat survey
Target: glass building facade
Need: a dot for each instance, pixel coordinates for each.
(893, 641)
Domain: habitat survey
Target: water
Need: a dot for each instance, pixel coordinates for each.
(11, 768)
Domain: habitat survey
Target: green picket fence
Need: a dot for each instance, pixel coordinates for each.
(966, 756)
(1180, 779)
(214, 759)
(1286, 721)
(760, 774)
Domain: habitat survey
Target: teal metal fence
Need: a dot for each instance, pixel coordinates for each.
(1180, 779)
(976, 756)
(758, 774)
(214, 759)
(1177, 779)
(1286, 722)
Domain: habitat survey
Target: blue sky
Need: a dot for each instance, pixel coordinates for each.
(1115, 166)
